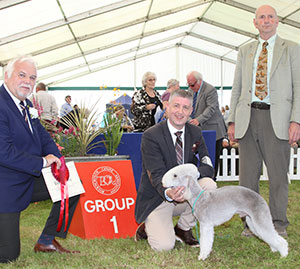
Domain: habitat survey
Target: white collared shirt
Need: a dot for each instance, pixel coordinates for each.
(270, 48)
(173, 130)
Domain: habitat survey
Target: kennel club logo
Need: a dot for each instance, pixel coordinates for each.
(106, 180)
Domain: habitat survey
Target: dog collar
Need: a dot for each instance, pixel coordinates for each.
(193, 208)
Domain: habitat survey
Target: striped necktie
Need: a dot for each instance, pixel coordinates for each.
(22, 105)
(178, 147)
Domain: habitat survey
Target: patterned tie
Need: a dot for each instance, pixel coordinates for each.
(178, 148)
(194, 103)
(22, 105)
(261, 87)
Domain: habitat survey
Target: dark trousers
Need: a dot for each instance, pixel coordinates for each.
(10, 222)
(217, 156)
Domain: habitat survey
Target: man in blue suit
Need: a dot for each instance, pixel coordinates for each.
(26, 148)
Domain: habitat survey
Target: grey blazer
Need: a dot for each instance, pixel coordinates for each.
(284, 85)
(158, 155)
(207, 111)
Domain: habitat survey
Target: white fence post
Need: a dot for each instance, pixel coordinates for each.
(230, 172)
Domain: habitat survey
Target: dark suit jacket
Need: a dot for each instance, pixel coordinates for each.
(20, 155)
(158, 155)
(207, 111)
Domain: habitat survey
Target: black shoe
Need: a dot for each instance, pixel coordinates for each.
(140, 233)
(186, 237)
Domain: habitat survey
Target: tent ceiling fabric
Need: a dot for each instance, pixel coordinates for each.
(71, 38)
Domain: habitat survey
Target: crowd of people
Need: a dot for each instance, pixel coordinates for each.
(264, 119)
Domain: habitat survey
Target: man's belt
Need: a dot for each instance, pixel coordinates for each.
(260, 105)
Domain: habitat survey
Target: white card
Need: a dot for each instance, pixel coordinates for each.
(74, 184)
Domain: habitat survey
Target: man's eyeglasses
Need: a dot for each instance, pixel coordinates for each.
(192, 85)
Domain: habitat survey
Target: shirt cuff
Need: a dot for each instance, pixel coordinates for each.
(44, 162)
(167, 197)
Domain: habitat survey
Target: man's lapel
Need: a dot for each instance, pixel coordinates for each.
(187, 143)
(277, 53)
(250, 59)
(170, 147)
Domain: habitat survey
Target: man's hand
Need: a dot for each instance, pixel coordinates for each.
(194, 122)
(294, 132)
(176, 193)
(50, 158)
(231, 132)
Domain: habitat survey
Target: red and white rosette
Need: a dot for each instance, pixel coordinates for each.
(62, 176)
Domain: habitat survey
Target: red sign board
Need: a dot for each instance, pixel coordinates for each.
(106, 209)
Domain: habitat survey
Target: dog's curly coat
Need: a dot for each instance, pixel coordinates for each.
(215, 207)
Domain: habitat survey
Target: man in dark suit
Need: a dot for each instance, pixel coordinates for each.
(156, 205)
(26, 148)
(206, 112)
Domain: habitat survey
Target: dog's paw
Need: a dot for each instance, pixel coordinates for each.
(202, 256)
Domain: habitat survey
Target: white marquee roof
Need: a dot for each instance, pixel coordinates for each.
(73, 38)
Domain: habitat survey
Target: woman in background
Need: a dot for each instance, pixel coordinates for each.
(144, 103)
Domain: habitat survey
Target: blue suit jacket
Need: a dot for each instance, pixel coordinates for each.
(21, 154)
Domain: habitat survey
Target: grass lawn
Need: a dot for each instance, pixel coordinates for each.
(230, 250)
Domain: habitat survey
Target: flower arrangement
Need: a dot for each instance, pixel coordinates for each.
(79, 136)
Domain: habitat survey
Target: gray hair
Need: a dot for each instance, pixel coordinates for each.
(146, 76)
(198, 76)
(11, 64)
(172, 82)
(181, 93)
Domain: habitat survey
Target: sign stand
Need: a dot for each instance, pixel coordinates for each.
(106, 209)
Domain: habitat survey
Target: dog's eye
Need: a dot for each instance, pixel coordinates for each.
(175, 175)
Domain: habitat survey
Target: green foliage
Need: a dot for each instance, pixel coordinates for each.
(230, 250)
(113, 133)
(78, 138)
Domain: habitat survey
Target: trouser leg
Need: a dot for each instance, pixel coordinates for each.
(9, 236)
(217, 156)
(260, 143)
(41, 193)
(159, 227)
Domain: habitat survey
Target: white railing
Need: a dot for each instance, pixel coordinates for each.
(228, 169)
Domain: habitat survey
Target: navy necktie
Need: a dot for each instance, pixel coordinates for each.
(194, 103)
(178, 147)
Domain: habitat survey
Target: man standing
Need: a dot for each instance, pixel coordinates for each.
(26, 148)
(66, 107)
(47, 102)
(164, 146)
(265, 111)
(206, 111)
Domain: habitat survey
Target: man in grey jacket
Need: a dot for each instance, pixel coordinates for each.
(265, 125)
(206, 112)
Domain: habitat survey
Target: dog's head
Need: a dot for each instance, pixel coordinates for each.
(180, 176)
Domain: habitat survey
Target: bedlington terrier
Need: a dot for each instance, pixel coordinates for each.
(212, 208)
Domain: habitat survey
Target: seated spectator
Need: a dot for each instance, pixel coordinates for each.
(172, 85)
(145, 102)
(126, 122)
